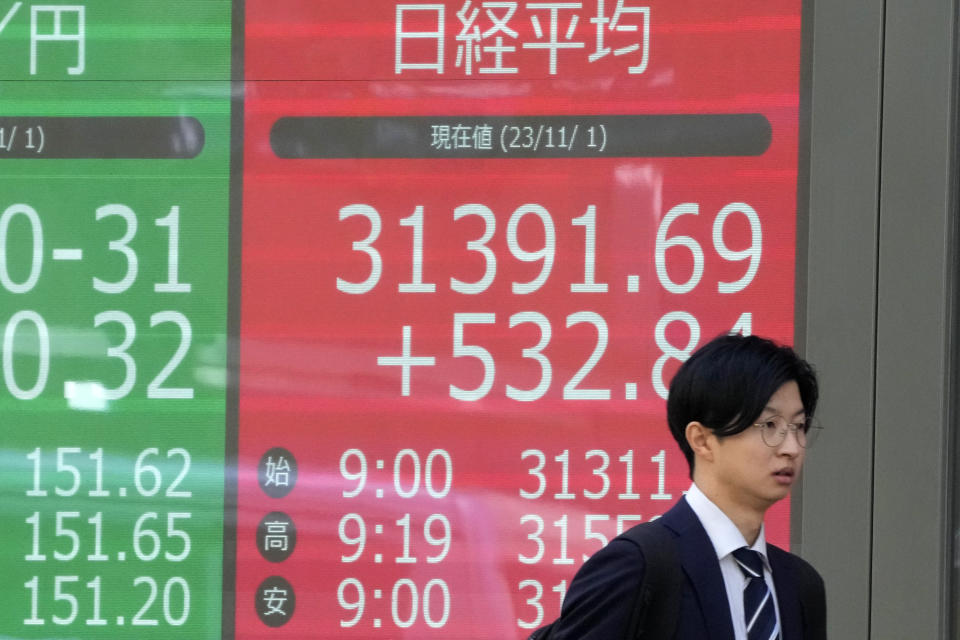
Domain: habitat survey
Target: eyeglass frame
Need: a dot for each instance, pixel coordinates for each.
(808, 428)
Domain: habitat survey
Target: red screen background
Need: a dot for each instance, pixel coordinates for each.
(310, 379)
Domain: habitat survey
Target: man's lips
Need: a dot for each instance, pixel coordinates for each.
(785, 475)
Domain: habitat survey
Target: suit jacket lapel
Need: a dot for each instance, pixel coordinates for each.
(699, 561)
(788, 601)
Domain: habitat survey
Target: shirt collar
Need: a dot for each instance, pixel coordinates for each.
(720, 529)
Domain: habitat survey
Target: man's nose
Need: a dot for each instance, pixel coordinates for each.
(791, 443)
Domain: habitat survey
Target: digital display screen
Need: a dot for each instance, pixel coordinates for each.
(328, 319)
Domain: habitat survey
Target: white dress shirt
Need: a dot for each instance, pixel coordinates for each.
(726, 538)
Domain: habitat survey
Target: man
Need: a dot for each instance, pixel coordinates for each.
(741, 410)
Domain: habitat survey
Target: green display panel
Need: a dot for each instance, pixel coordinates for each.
(114, 210)
(115, 40)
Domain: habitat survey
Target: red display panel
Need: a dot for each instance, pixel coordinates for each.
(478, 239)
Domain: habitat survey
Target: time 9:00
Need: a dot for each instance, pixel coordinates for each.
(408, 473)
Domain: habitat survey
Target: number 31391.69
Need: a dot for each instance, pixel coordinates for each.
(547, 253)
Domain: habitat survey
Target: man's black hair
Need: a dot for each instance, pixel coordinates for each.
(726, 384)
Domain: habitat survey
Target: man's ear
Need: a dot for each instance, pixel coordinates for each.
(700, 439)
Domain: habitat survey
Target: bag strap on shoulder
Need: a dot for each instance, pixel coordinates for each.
(658, 597)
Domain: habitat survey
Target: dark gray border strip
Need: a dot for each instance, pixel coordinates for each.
(234, 277)
(801, 283)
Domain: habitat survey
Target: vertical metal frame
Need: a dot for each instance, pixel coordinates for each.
(879, 317)
(838, 315)
(915, 322)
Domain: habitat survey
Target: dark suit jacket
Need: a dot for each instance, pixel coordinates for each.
(597, 605)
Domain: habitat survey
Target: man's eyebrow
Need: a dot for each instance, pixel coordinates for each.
(798, 412)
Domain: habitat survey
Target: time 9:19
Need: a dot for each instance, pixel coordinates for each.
(353, 533)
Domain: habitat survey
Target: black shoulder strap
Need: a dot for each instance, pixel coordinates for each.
(658, 597)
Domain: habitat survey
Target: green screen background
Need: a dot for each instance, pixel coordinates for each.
(141, 59)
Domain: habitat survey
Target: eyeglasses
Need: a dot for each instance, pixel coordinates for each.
(774, 430)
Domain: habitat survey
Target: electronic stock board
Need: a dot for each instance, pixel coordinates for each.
(327, 319)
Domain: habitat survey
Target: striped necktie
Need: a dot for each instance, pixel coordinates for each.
(758, 610)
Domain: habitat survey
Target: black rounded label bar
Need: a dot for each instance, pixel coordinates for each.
(151, 137)
(674, 135)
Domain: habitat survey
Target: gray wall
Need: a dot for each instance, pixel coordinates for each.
(875, 510)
